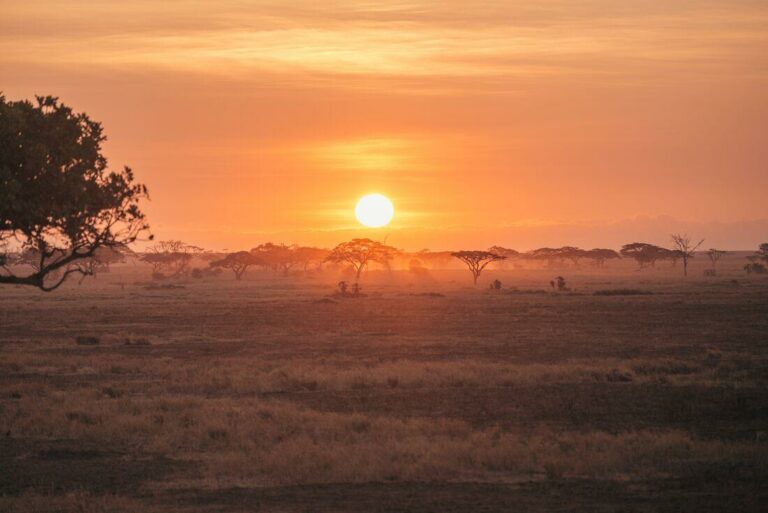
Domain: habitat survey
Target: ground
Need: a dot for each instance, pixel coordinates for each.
(634, 391)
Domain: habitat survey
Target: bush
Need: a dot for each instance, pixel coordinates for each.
(755, 267)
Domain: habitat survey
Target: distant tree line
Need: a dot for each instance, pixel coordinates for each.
(63, 213)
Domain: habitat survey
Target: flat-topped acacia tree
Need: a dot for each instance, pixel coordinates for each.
(171, 256)
(644, 254)
(238, 262)
(715, 255)
(58, 200)
(360, 252)
(477, 260)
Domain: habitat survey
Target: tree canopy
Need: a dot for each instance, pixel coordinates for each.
(58, 199)
(238, 262)
(171, 257)
(476, 261)
(360, 252)
(644, 253)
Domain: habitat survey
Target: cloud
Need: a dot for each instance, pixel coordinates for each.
(599, 41)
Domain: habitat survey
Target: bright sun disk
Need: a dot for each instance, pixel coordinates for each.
(374, 210)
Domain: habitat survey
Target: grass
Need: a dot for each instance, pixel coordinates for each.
(227, 395)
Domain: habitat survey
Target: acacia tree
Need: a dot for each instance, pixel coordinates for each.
(171, 256)
(278, 257)
(644, 254)
(508, 253)
(434, 259)
(754, 265)
(600, 255)
(573, 254)
(306, 256)
(360, 252)
(685, 249)
(238, 262)
(549, 255)
(762, 252)
(476, 261)
(714, 255)
(58, 199)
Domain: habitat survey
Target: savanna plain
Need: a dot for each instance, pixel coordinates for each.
(634, 391)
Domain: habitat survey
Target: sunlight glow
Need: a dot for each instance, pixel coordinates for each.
(374, 210)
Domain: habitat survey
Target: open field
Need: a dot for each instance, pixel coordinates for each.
(424, 395)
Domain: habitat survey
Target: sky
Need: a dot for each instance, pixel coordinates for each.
(524, 124)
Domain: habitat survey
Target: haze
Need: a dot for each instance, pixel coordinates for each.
(553, 122)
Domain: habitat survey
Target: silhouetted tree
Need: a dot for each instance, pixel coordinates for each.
(643, 253)
(278, 257)
(417, 268)
(762, 252)
(549, 255)
(754, 265)
(555, 255)
(507, 253)
(685, 248)
(58, 200)
(104, 257)
(238, 262)
(600, 255)
(306, 256)
(360, 252)
(477, 260)
(171, 257)
(714, 255)
(435, 259)
(572, 253)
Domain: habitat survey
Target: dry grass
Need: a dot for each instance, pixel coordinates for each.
(258, 384)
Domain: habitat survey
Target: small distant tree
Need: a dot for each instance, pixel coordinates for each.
(762, 252)
(644, 254)
(600, 255)
(755, 267)
(476, 261)
(360, 252)
(238, 263)
(714, 255)
(171, 257)
(573, 254)
(307, 256)
(434, 259)
(549, 255)
(685, 248)
(278, 257)
(103, 258)
(59, 202)
(508, 253)
(505, 252)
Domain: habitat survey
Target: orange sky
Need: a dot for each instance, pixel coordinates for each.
(520, 123)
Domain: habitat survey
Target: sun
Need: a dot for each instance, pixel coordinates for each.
(374, 210)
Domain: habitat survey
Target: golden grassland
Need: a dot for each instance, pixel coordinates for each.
(425, 395)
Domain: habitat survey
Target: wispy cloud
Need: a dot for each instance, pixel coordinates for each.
(412, 40)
